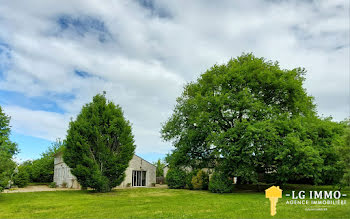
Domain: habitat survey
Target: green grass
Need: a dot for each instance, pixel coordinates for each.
(154, 203)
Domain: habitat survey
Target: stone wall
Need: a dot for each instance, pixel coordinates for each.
(63, 175)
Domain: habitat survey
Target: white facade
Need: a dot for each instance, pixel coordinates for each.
(138, 165)
(140, 173)
(62, 173)
(165, 170)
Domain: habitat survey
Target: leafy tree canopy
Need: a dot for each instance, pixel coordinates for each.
(250, 117)
(99, 145)
(7, 150)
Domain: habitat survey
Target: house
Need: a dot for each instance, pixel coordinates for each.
(140, 173)
(165, 170)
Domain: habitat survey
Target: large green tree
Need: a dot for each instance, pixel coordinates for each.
(99, 145)
(250, 118)
(7, 150)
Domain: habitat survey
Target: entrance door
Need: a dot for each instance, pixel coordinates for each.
(138, 178)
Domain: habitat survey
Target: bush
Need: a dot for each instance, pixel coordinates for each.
(42, 169)
(220, 183)
(200, 181)
(176, 178)
(189, 177)
(53, 185)
(21, 179)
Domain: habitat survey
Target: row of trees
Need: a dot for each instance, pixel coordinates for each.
(40, 170)
(253, 120)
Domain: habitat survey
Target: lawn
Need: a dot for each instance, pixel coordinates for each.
(154, 203)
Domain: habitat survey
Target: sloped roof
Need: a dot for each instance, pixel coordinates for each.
(61, 153)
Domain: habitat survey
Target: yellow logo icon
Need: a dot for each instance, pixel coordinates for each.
(273, 193)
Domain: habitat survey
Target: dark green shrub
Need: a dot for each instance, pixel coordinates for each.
(42, 169)
(220, 183)
(21, 179)
(189, 177)
(53, 185)
(176, 178)
(200, 181)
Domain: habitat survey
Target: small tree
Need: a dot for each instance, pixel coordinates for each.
(21, 179)
(7, 150)
(200, 181)
(220, 183)
(159, 168)
(189, 177)
(176, 178)
(99, 145)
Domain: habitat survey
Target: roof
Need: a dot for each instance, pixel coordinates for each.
(144, 160)
(61, 152)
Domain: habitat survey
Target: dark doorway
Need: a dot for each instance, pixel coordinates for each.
(138, 178)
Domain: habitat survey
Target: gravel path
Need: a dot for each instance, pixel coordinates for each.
(40, 188)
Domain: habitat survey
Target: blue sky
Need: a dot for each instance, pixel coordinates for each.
(56, 55)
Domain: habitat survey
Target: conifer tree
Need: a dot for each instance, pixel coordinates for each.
(99, 145)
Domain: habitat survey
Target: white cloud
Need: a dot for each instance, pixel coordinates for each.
(41, 124)
(148, 58)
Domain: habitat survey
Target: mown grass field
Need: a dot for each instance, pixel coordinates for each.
(155, 203)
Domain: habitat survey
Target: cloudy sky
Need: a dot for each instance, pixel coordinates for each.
(56, 55)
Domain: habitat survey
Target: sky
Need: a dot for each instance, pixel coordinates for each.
(56, 55)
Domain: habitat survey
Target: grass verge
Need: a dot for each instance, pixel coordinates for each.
(156, 203)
